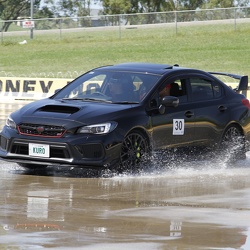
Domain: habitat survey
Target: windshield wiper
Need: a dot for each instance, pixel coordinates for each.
(86, 99)
(125, 102)
(74, 99)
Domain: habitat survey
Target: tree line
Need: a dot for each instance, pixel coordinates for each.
(14, 9)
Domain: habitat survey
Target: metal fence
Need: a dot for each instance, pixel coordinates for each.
(176, 18)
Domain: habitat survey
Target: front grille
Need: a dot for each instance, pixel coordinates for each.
(41, 130)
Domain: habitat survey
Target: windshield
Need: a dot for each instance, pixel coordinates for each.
(108, 86)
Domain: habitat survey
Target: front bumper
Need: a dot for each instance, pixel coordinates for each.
(77, 150)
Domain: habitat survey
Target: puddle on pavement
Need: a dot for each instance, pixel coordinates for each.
(199, 206)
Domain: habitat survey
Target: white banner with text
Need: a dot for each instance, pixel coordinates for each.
(21, 88)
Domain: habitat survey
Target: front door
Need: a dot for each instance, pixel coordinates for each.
(176, 126)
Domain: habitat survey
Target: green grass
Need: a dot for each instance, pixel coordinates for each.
(210, 47)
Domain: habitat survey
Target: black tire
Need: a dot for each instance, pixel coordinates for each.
(134, 152)
(233, 144)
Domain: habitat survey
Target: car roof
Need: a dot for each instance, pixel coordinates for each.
(152, 68)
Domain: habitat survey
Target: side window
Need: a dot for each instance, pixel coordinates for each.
(204, 90)
(174, 88)
(182, 92)
(217, 90)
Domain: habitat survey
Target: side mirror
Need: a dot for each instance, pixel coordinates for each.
(170, 101)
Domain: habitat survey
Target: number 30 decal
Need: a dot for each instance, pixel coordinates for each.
(178, 126)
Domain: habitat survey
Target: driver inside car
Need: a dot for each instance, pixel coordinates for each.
(165, 91)
(121, 89)
(170, 89)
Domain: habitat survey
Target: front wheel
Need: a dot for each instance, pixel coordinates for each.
(233, 144)
(134, 151)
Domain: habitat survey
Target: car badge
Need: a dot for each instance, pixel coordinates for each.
(40, 130)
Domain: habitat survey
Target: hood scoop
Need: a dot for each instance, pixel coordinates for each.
(59, 109)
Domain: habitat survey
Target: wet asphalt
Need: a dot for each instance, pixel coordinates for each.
(190, 205)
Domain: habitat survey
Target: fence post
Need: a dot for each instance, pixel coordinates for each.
(176, 21)
(120, 35)
(60, 27)
(2, 33)
(31, 17)
(235, 16)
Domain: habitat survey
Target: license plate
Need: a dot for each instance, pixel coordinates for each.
(40, 150)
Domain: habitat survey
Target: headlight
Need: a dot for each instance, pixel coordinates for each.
(10, 123)
(102, 128)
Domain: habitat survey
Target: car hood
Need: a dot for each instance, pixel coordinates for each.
(69, 113)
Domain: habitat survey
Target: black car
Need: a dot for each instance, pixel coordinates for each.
(115, 116)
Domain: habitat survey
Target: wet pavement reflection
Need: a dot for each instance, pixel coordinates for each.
(182, 208)
(199, 205)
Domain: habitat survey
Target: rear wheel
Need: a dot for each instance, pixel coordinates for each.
(233, 144)
(134, 152)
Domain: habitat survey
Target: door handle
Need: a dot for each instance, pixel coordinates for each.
(222, 108)
(189, 114)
